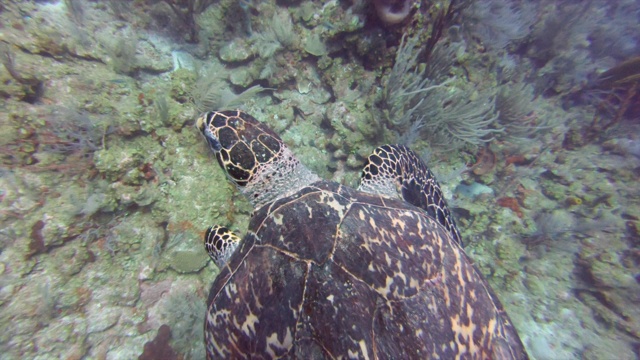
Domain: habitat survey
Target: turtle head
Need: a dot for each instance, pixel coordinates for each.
(241, 143)
(253, 156)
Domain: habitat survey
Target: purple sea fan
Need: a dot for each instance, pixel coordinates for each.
(499, 22)
(69, 131)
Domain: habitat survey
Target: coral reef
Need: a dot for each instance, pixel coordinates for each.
(417, 99)
(106, 189)
(499, 22)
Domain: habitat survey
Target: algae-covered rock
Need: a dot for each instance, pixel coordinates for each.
(133, 237)
(309, 144)
(73, 258)
(307, 13)
(115, 162)
(283, 116)
(241, 77)
(188, 261)
(102, 317)
(235, 51)
(55, 223)
(314, 45)
(612, 287)
(345, 123)
(79, 294)
(182, 307)
(157, 59)
(138, 195)
(182, 83)
(199, 194)
(122, 159)
(535, 286)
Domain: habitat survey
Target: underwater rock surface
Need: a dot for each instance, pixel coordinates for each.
(106, 188)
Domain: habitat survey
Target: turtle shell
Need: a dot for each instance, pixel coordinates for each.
(333, 272)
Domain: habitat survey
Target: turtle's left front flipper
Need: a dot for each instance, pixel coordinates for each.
(220, 243)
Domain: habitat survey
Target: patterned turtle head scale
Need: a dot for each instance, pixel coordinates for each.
(241, 143)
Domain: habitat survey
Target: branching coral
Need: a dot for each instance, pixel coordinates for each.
(407, 84)
(421, 94)
(210, 95)
(614, 93)
(70, 131)
(66, 132)
(278, 34)
(575, 40)
(186, 12)
(33, 87)
(499, 22)
(515, 105)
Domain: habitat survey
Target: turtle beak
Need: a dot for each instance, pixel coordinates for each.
(201, 122)
(213, 141)
(205, 129)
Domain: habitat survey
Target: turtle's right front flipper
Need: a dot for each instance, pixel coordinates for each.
(220, 243)
(397, 171)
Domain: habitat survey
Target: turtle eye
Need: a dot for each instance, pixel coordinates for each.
(214, 142)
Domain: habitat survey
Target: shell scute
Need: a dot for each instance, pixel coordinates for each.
(271, 143)
(227, 137)
(262, 153)
(334, 300)
(238, 173)
(242, 156)
(269, 292)
(219, 120)
(399, 326)
(287, 225)
(385, 248)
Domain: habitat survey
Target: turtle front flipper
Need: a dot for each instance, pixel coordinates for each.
(397, 171)
(220, 243)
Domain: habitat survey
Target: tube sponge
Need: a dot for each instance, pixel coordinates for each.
(392, 11)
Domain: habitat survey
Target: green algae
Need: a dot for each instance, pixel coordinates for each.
(182, 83)
(188, 261)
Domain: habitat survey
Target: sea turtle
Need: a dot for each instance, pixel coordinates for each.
(327, 271)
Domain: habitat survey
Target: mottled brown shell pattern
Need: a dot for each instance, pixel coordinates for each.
(379, 280)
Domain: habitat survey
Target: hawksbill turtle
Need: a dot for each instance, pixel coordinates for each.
(327, 271)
